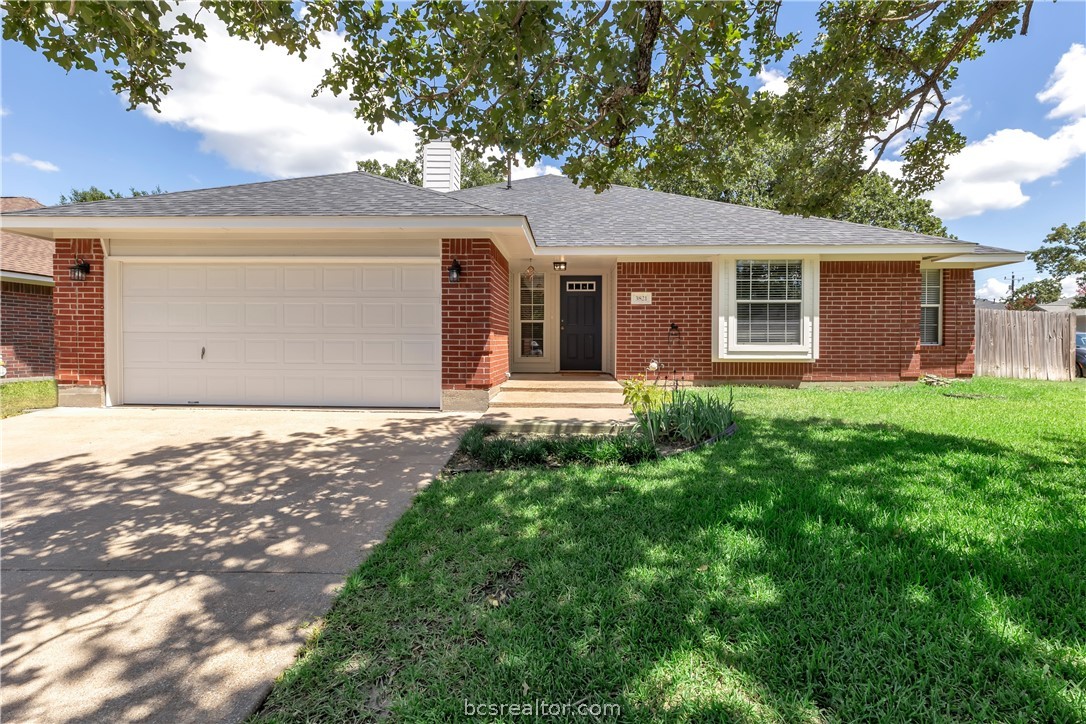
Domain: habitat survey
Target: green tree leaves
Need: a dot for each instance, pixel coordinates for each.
(1026, 296)
(1062, 255)
(607, 86)
(93, 193)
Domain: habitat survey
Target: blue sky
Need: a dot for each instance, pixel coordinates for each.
(238, 115)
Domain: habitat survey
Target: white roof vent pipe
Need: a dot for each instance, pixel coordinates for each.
(440, 166)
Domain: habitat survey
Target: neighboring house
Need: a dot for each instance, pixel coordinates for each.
(355, 290)
(989, 304)
(1064, 305)
(26, 298)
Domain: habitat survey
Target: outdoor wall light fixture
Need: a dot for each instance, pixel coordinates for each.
(455, 271)
(79, 271)
(559, 266)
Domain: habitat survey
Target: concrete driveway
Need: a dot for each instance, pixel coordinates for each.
(164, 564)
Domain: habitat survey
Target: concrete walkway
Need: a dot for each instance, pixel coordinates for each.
(163, 564)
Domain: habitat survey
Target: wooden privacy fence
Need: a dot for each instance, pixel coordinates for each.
(1026, 345)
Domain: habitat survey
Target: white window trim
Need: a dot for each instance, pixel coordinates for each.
(939, 306)
(545, 358)
(725, 345)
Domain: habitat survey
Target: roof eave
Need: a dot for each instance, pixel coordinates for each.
(65, 226)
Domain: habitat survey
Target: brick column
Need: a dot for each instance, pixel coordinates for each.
(79, 323)
(474, 324)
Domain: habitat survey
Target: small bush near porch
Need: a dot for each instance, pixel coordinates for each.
(891, 554)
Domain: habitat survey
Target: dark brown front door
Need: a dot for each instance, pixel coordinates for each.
(581, 323)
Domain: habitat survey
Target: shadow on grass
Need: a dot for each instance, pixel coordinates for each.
(805, 570)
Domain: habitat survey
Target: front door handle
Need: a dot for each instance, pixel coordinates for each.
(202, 351)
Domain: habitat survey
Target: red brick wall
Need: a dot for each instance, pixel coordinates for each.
(955, 357)
(869, 319)
(26, 329)
(79, 315)
(475, 316)
(682, 292)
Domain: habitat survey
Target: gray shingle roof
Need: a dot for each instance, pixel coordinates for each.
(981, 249)
(562, 214)
(342, 194)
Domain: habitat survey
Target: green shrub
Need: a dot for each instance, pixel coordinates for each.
(497, 452)
(642, 395)
(686, 418)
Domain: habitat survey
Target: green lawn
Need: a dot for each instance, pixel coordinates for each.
(891, 554)
(18, 397)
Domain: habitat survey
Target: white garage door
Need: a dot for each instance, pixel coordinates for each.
(352, 335)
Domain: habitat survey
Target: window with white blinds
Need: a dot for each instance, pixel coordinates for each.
(768, 301)
(931, 306)
(532, 304)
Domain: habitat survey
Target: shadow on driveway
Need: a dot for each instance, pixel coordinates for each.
(161, 564)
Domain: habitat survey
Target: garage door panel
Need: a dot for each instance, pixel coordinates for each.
(184, 350)
(145, 314)
(418, 389)
(223, 278)
(423, 317)
(340, 352)
(264, 278)
(380, 279)
(263, 314)
(339, 279)
(223, 315)
(380, 352)
(185, 278)
(262, 351)
(302, 315)
(221, 388)
(301, 351)
(186, 314)
(301, 279)
(293, 334)
(223, 352)
(341, 315)
(421, 279)
(420, 353)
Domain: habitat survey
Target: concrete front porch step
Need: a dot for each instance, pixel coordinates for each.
(558, 420)
(565, 404)
(573, 388)
(548, 398)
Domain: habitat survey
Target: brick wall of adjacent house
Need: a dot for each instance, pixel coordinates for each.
(682, 293)
(26, 329)
(78, 310)
(869, 325)
(475, 316)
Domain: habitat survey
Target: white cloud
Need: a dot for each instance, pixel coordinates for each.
(773, 82)
(4, 112)
(255, 109)
(993, 289)
(997, 290)
(989, 174)
(24, 160)
(1067, 86)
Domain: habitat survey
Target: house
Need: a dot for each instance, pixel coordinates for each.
(1064, 305)
(354, 290)
(26, 298)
